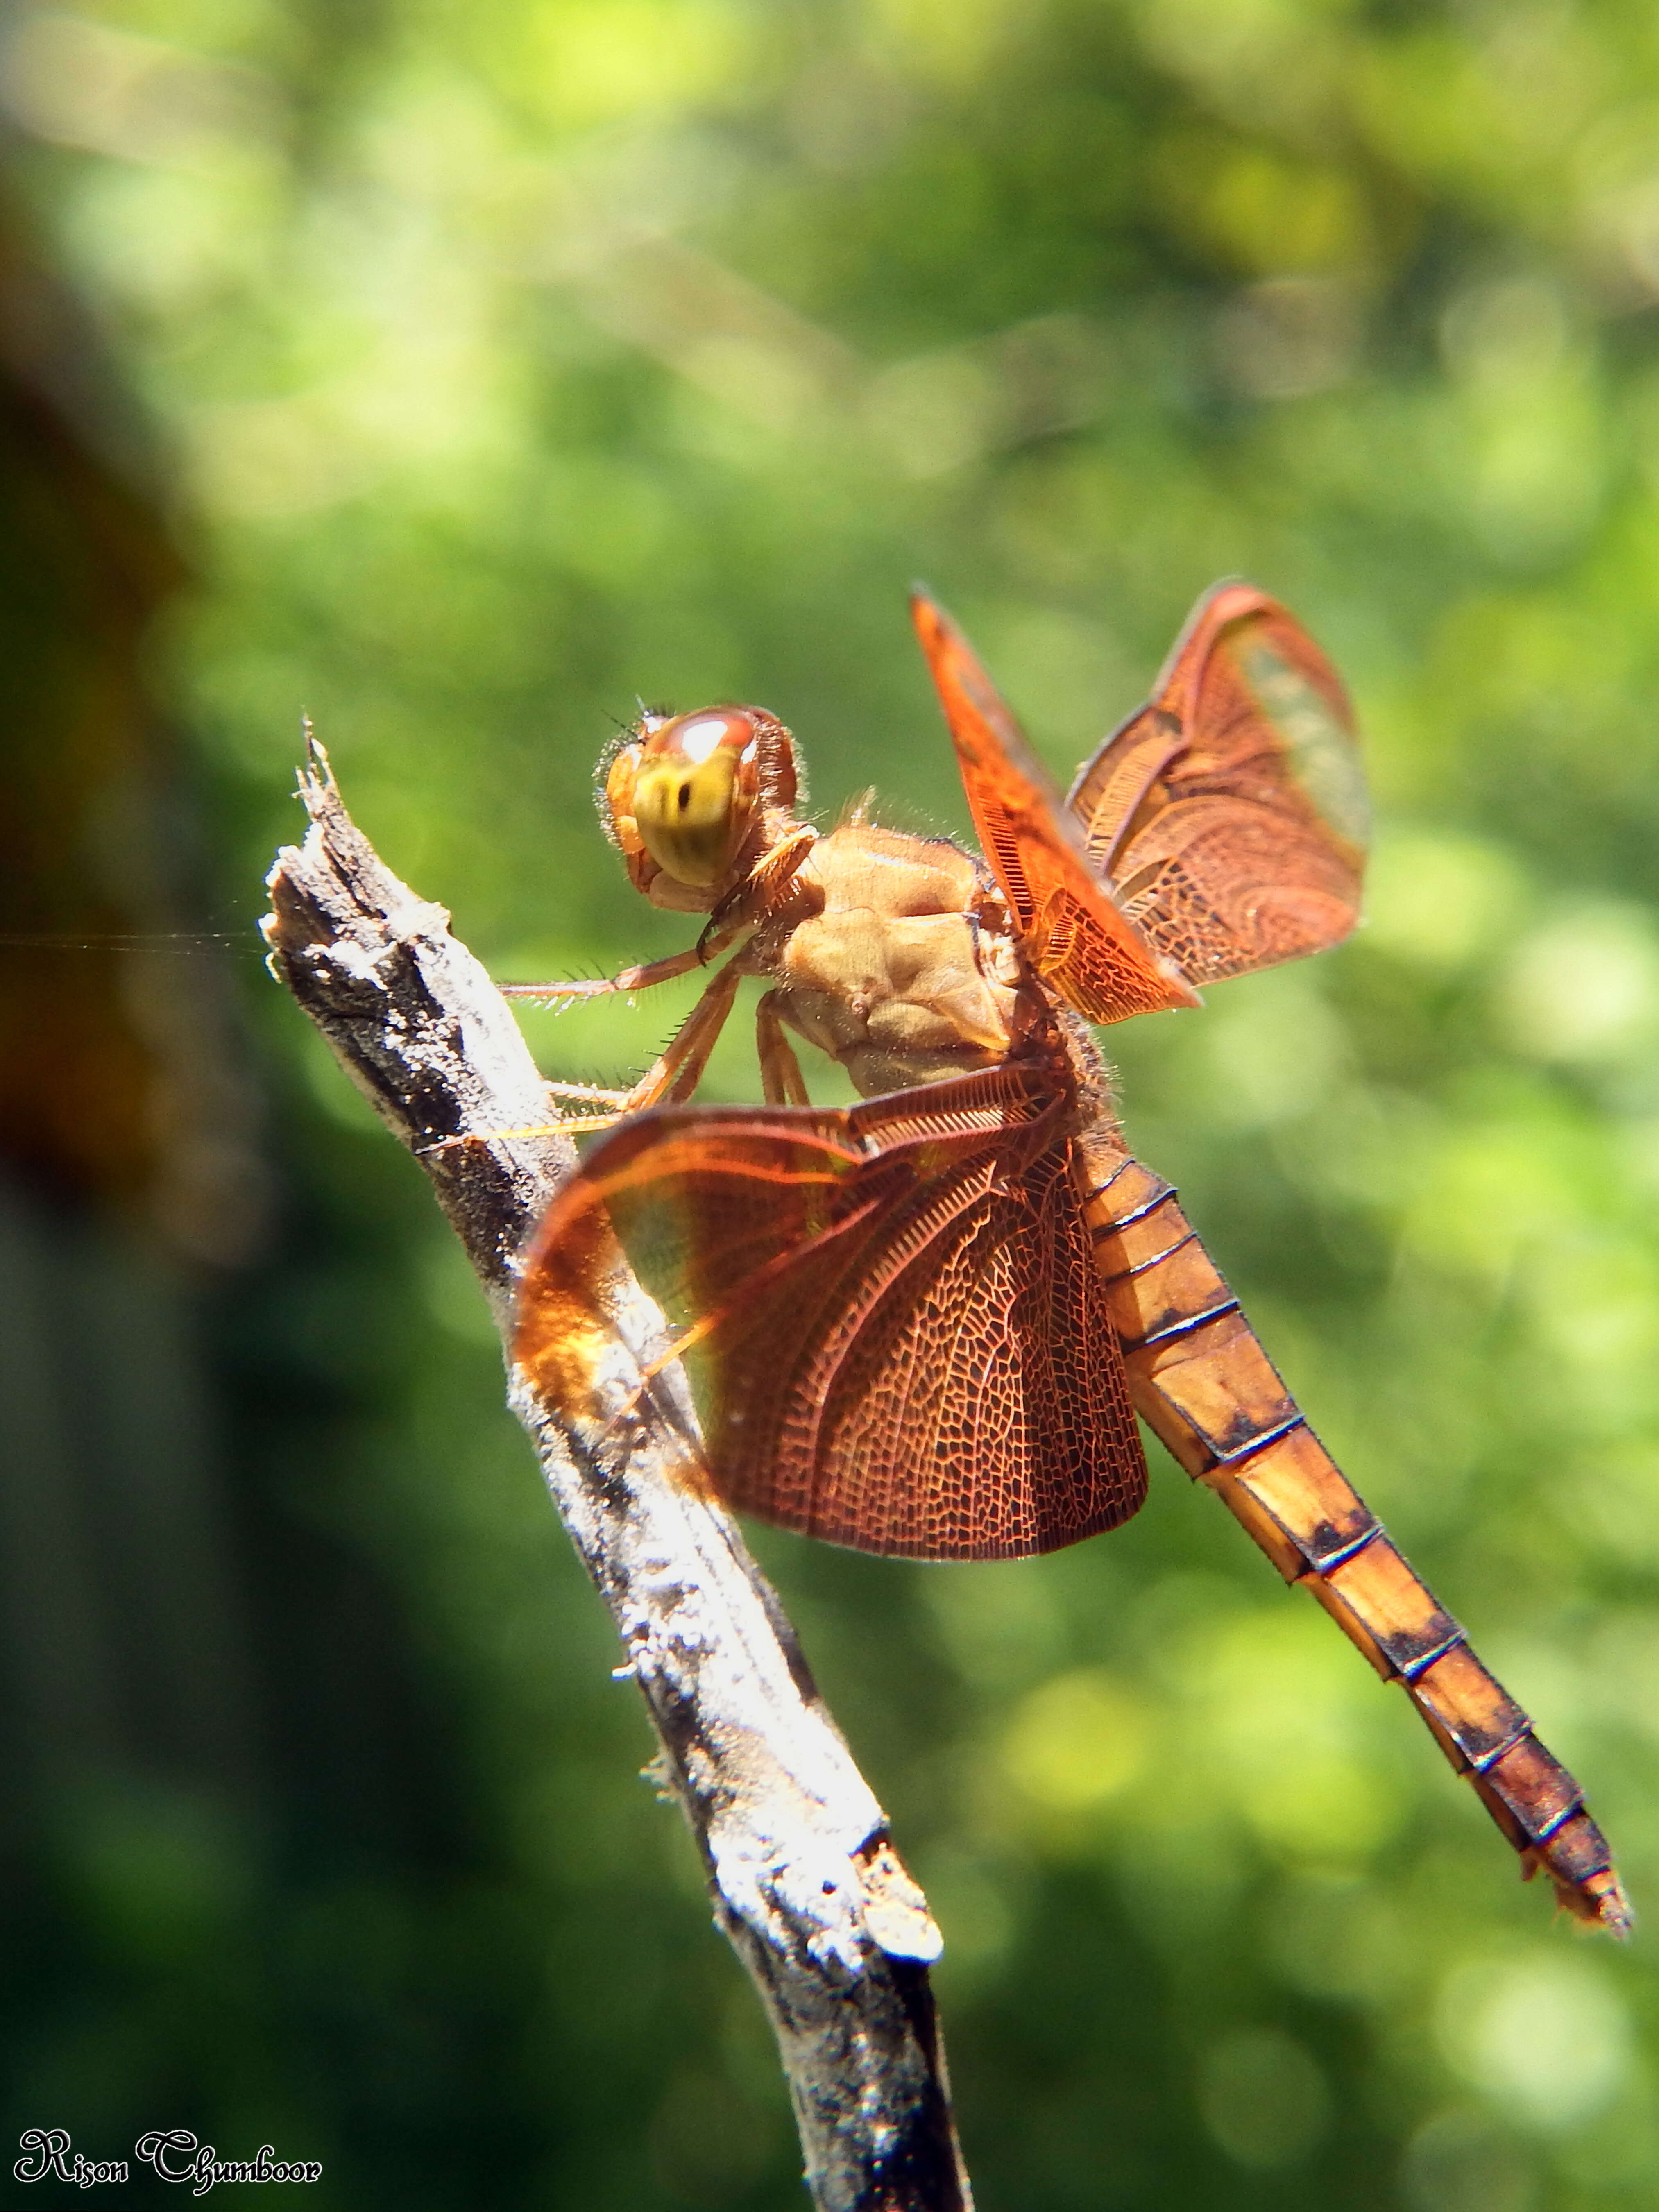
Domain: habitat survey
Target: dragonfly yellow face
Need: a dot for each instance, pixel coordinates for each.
(924, 1326)
(691, 798)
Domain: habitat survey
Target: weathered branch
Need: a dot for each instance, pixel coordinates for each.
(804, 1880)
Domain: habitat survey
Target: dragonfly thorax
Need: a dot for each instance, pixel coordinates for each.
(888, 958)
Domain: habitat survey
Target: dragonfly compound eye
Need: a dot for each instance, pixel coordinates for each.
(694, 796)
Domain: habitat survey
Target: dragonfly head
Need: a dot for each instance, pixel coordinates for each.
(694, 800)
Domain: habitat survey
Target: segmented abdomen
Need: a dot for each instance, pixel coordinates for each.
(1204, 1386)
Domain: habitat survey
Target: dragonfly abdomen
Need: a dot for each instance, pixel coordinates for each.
(1202, 1383)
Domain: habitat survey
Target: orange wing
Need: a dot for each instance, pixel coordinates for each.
(892, 1317)
(1230, 813)
(1076, 935)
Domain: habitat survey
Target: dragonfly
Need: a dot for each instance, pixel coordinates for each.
(924, 1326)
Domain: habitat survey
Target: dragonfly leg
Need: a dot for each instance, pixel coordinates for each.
(592, 1092)
(577, 1125)
(601, 986)
(707, 948)
(755, 898)
(1204, 1386)
(782, 1083)
(669, 1081)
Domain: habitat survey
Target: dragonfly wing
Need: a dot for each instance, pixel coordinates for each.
(1076, 934)
(1230, 813)
(892, 1317)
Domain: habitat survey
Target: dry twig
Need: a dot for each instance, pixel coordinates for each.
(805, 1883)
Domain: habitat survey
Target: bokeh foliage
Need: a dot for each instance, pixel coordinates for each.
(516, 357)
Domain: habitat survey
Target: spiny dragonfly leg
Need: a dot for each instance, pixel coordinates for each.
(592, 1092)
(602, 987)
(669, 1081)
(676, 1074)
(707, 949)
(782, 1083)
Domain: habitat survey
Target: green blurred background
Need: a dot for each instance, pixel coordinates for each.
(460, 371)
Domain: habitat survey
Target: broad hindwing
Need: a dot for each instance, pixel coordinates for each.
(1075, 933)
(1230, 813)
(893, 1318)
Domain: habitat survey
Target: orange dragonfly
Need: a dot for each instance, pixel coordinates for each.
(924, 1326)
